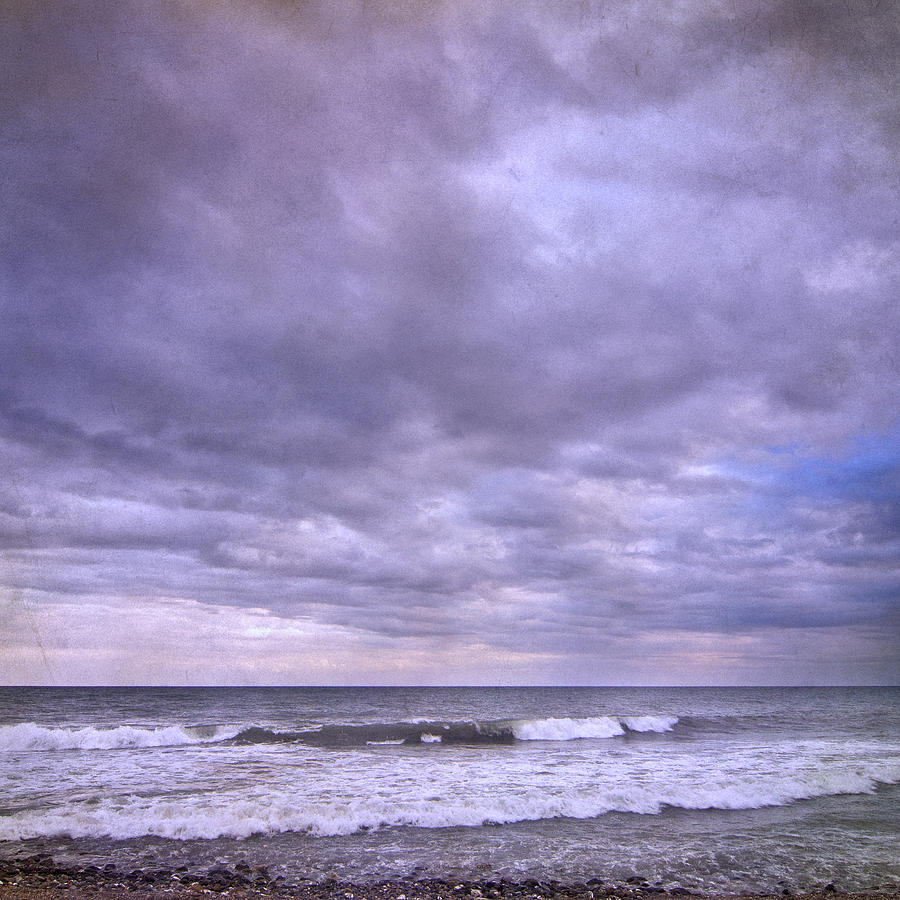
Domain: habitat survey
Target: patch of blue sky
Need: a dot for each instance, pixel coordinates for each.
(869, 471)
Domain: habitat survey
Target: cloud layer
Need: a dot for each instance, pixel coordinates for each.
(459, 343)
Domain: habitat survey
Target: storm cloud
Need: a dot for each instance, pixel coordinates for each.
(450, 343)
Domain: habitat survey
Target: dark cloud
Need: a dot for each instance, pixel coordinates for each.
(524, 333)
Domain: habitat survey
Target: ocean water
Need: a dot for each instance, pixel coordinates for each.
(726, 789)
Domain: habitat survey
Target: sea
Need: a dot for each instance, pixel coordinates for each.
(736, 790)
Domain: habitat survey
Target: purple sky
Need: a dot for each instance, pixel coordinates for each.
(449, 343)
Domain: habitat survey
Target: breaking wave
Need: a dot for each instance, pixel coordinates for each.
(504, 731)
(29, 736)
(278, 811)
(594, 727)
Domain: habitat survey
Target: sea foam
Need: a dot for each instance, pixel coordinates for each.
(29, 736)
(593, 727)
(278, 811)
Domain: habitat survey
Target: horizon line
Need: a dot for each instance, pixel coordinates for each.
(438, 686)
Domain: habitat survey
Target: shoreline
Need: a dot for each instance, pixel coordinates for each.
(39, 878)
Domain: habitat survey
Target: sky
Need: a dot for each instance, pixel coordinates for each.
(449, 342)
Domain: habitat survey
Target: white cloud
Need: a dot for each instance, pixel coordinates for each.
(860, 266)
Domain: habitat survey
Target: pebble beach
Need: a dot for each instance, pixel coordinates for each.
(36, 877)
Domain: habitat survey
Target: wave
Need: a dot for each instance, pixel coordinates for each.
(594, 727)
(650, 723)
(279, 810)
(30, 736)
(503, 731)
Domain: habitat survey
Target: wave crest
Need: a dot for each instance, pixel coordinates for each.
(593, 727)
(29, 736)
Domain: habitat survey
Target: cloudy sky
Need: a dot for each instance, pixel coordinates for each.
(449, 343)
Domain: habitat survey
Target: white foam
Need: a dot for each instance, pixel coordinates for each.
(592, 727)
(566, 729)
(426, 738)
(214, 815)
(29, 736)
